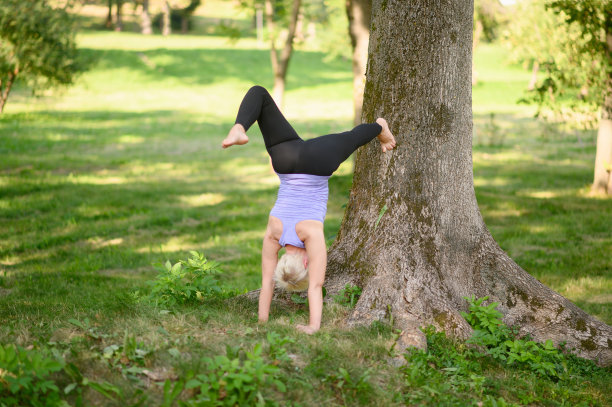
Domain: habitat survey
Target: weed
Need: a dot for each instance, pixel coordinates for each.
(276, 346)
(191, 280)
(228, 380)
(502, 343)
(352, 388)
(348, 296)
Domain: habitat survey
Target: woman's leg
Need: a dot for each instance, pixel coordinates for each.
(323, 155)
(282, 142)
(259, 106)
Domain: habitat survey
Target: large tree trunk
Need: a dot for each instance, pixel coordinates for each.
(359, 13)
(602, 182)
(145, 19)
(280, 63)
(430, 247)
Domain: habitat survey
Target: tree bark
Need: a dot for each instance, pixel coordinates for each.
(412, 236)
(109, 15)
(145, 19)
(119, 13)
(359, 13)
(166, 27)
(280, 63)
(5, 88)
(602, 182)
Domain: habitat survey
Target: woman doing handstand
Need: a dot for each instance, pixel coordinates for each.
(303, 166)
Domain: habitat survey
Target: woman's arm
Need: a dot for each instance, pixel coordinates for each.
(317, 263)
(269, 259)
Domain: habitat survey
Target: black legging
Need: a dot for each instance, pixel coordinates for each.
(290, 154)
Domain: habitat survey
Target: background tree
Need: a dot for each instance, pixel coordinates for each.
(412, 236)
(38, 46)
(166, 27)
(570, 43)
(359, 14)
(145, 19)
(274, 10)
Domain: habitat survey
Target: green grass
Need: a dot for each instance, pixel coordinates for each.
(124, 169)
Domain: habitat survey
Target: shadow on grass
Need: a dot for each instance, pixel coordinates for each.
(203, 67)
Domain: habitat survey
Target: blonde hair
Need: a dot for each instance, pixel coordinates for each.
(290, 273)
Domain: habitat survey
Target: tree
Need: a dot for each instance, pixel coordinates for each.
(359, 13)
(38, 46)
(186, 13)
(166, 28)
(145, 19)
(280, 62)
(571, 43)
(594, 18)
(412, 236)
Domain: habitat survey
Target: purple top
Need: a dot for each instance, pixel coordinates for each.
(300, 197)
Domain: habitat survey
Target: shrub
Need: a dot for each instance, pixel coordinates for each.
(25, 377)
(187, 281)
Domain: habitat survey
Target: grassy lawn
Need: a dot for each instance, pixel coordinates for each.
(124, 170)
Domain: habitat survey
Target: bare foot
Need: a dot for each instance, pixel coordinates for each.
(236, 136)
(307, 329)
(387, 141)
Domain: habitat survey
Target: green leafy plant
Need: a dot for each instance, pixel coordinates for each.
(229, 380)
(191, 280)
(444, 374)
(25, 377)
(276, 346)
(502, 343)
(352, 388)
(129, 357)
(348, 296)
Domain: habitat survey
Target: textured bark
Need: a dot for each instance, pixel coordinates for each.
(280, 63)
(145, 19)
(359, 13)
(602, 182)
(430, 247)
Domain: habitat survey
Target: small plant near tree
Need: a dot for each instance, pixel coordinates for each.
(348, 296)
(188, 281)
(502, 343)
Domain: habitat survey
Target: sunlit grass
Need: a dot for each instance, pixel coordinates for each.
(124, 170)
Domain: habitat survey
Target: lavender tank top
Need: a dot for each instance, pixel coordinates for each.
(300, 197)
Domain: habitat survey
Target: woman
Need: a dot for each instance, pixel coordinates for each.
(296, 221)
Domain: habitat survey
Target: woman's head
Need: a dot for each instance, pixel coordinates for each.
(290, 273)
